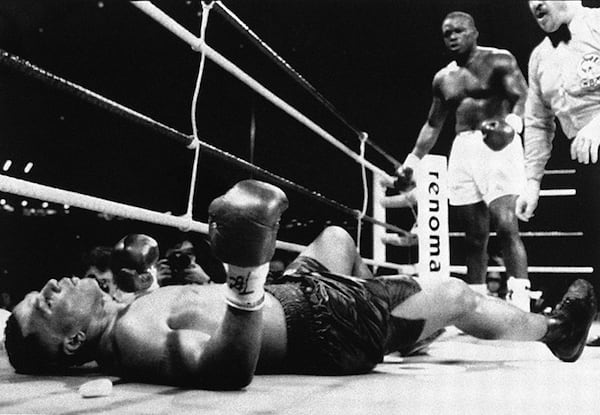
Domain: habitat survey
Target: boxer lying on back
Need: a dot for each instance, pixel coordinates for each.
(325, 314)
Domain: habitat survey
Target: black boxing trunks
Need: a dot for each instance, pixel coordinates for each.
(340, 325)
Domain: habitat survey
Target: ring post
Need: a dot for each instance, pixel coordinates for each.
(432, 222)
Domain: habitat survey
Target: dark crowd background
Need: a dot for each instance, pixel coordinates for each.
(372, 59)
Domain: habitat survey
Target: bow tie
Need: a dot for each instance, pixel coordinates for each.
(563, 34)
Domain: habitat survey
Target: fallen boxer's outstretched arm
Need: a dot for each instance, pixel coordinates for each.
(243, 226)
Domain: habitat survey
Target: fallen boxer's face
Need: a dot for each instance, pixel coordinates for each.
(60, 307)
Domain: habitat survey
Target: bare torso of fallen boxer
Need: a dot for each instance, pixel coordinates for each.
(142, 335)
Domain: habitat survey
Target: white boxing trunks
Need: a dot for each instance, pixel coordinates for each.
(476, 172)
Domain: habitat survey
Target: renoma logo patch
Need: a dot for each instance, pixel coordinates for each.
(432, 218)
(589, 71)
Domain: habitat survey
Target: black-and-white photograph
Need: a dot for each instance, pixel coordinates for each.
(299, 207)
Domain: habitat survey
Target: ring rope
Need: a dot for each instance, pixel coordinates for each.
(558, 192)
(365, 205)
(197, 44)
(462, 269)
(21, 65)
(530, 234)
(38, 191)
(14, 62)
(189, 213)
(559, 172)
(283, 64)
(26, 188)
(252, 133)
(230, 67)
(200, 46)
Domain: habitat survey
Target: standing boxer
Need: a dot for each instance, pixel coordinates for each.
(486, 90)
(325, 315)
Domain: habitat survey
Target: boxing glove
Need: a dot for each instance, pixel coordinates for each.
(405, 174)
(243, 226)
(497, 134)
(405, 181)
(133, 260)
(243, 223)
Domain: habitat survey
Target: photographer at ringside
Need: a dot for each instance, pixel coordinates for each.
(181, 266)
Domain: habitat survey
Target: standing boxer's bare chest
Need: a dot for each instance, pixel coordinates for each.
(467, 82)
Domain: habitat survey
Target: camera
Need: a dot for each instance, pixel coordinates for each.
(179, 261)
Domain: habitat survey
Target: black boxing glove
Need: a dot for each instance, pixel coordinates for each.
(405, 180)
(243, 225)
(405, 174)
(497, 134)
(132, 262)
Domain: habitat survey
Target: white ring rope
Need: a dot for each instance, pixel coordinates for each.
(38, 191)
(558, 192)
(201, 46)
(532, 234)
(194, 144)
(462, 269)
(260, 89)
(363, 174)
(51, 194)
(559, 172)
(164, 19)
